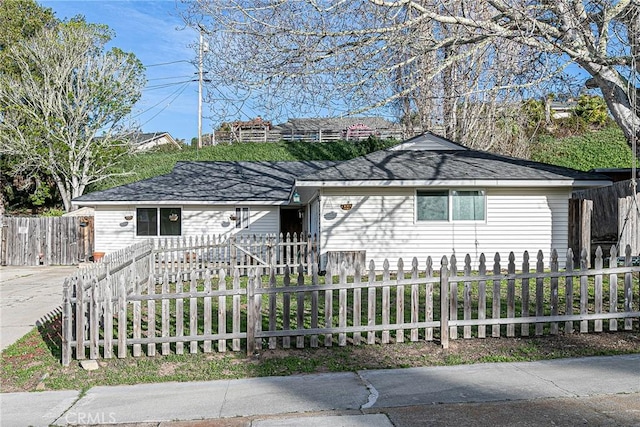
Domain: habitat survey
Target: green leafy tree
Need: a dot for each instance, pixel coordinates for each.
(64, 113)
(19, 21)
(593, 110)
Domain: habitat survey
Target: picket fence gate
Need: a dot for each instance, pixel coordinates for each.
(133, 314)
(185, 254)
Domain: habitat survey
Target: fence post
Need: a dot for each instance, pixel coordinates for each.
(584, 289)
(444, 303)
(580, 212)
(568, 292)
(122, 318)
(309, 254)
(151, 266)
(80, 318)
(232, 251)
(628, 286)
(4, 227)
(66, 323)
(251, 332)
(94, 320)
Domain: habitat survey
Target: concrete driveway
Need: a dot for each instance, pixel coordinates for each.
(27, 295)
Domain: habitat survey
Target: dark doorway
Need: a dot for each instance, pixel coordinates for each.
(290, 221)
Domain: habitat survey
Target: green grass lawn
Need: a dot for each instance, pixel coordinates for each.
(33, 363)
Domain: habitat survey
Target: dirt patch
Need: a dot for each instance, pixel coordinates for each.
(459, 352)
(167, 369)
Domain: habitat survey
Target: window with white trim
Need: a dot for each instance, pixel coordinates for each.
(158, 222)
(242, 218)
(454, 205)
(467, 205)
(432, 205)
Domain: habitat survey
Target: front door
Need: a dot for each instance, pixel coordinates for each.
(291, 221)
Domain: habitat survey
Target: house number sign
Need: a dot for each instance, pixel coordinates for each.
(346, 206)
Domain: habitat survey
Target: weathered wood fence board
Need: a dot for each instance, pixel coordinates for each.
(183, 255)
(45, 240)
(605, 216)
(416, 304)
(629, 223)
(606, 213)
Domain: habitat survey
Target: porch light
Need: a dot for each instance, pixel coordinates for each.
(296, 197)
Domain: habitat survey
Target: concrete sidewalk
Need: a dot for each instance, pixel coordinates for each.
(594, 391)
(28, 295)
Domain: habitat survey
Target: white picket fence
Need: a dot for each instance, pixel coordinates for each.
(124, 315)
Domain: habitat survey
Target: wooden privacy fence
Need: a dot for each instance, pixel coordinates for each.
(413, 303)
(605, 216)
(45, 240)
(183, 255)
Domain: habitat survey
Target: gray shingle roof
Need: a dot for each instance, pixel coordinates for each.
(265, 182)
(213, 181)
(443, 165)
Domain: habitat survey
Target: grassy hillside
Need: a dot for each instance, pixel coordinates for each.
(606, 148)
(150, 164)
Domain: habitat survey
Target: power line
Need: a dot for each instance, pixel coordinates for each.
(168, 78)
(167, 63)
(166, 106)
(166, 85)
(180, 89)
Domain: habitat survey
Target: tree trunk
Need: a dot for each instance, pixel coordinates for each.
(618, 96)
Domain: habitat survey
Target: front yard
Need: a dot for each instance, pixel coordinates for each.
(33, 363)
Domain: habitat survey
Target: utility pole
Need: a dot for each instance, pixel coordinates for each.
(201, 49)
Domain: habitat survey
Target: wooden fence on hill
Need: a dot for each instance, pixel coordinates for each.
(309, 135)
(120, 316)
(45, 240)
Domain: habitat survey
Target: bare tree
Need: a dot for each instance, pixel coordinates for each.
(334, 55)
(63, 113)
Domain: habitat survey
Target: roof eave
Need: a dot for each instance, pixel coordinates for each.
(178, 202)
(458, 183)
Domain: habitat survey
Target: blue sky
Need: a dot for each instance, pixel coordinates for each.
(155, 33)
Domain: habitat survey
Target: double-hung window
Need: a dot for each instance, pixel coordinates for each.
(158, 222)
(450, 205)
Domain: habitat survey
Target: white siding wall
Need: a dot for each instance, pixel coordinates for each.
(113, 232)
(382, 222)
